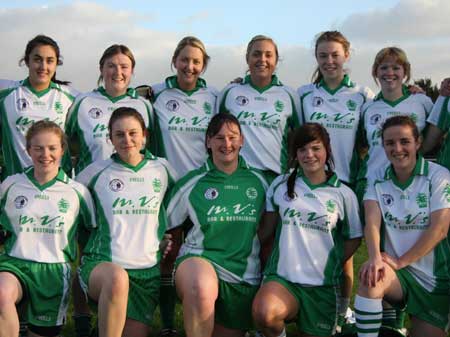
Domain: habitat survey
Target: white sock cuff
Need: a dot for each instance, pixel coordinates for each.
(368, 304)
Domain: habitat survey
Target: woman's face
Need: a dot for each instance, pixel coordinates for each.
(46, 151)
(189, 65)
(225, 145)
(312, 157)
(401, 147)
(390, 74)
(128, 138)
(117, 72)
(42, 64)
(331, 57)
(262, 59)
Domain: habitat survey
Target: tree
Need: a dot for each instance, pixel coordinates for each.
(431, 90)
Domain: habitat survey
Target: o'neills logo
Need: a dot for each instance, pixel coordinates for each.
(20, 202)
(211, 193)
(172, 105)
(242, 100)
(116, 185)
(95, 113)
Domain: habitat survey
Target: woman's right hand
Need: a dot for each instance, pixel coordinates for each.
(372, 272)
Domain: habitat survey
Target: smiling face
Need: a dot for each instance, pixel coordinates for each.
(312, 158)
(262, 60)
(46, 150)
(128, 139)
(189, 65)
(42, 63)
(116, 73)
(401, 148)
(331, 57)
(225, 145)
(390, 74)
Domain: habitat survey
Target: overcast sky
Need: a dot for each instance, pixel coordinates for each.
(152, 29)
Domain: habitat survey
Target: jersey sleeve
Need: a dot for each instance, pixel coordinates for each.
(171, 173)
(177, 203)
(352, 221)
(221, 105)
(87, 210)
(440, 114)
(370, 193)
(440, 189)
(295, 101)
(86, 176)
(271, 204)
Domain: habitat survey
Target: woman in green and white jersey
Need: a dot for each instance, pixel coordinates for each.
(265, 108)
(39, 96)
(41, 210)
(218, 268)
(120, 265)
(316, 219)
(89, 115)
(391, 70)
(407, 207)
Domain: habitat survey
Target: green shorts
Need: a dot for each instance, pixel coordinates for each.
(317, 306)
(430, 307)
(143, 295)
(233, 307)
(46, 289)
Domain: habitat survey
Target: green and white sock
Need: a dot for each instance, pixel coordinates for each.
(369, 313)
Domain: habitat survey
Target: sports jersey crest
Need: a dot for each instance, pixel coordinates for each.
(22, 104)
(172, 105)
(317, 101)
(95, 113)
(251, 193)
(63, 205)
(351, 105)
(207, 108)
(211, 193)
(374, 119)
(279, 106)
(242, 100)
(21, 201)
(116, 185)
(388, 199)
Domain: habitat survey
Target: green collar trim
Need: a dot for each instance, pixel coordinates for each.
(346, 82)
(130, 93)
(405, 95)
(274, 82)
(420, 169)
(147, 156)
(209, 165)
(332, 181)
(172, 83)
(26, 83)
(61, 176)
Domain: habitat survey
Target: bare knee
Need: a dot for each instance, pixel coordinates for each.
(10, 291)
(108, 280)
(265, 313)
(118, 283)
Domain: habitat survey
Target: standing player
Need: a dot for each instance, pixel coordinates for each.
(319, 229)
(120, 265)
(265, 108)
(218, 269)
(39, 96)
(90, 113)
(183, 105)
(407, 207)
(335, 102)
(391, 70)
(40, 210)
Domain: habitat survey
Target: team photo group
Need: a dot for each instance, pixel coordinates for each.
(241, 208)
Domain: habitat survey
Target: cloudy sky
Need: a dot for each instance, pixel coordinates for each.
(152, 29)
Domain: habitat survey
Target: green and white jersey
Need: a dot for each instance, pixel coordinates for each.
(309, 244)
(406, 210)
(375, 113)
(266, 116)
(440, 117)
(88, 122)
(43, 219)
(226, 211)
(339, 111)
(22, 106)
(130, 216)
(181, 121)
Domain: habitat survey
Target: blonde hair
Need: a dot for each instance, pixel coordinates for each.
(193, 42)
(261, 38)
(400, 57)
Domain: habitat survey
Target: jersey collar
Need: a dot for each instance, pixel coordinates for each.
(52, 85)
(346, 82)
(405, 95)
(61, 176)
(332, 181)
(275, 82)
(147, 156)
(130, 92)
(209, 165)
(172, 83)
(421, 169)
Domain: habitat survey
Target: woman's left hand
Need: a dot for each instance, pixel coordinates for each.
(415, 89)
(393, 262)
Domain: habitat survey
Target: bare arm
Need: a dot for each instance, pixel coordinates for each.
(350, 247)
(266, 234)
(432, 138)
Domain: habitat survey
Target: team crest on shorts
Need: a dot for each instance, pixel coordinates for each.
(375, 119)
(251, 193)
(95, 113)
(172, 105)
(242, 100)
(20, 202)
(287, 198)
(22, 104)
(317, 101)
(211, 193)
(388, 199)
(116, 185)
